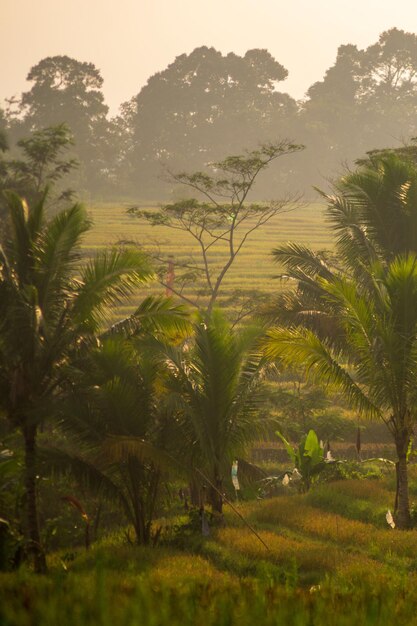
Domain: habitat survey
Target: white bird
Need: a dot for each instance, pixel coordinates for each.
(390, 519)
(296, 474)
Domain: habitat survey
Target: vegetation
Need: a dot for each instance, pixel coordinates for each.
(126, 475)
(353, 324)
(308, 459)
(316, 558)
(205, 104)
(248, 281)
(43, 163)
(217, 386)
(46, 316)
(223, 216)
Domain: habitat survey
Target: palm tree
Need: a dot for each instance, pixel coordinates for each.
(118, 427)
(50, 306)
(217, 382)
(373, 212)
(339, 300)
(376, 369)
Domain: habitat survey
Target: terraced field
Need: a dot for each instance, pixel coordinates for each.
(254, 268)
(330, 559)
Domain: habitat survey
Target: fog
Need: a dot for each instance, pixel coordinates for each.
(130, 40)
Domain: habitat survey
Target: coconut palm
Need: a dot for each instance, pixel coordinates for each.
(376, 369)
(374, 214)
(217, 382)
(118, 427)
(50, 306)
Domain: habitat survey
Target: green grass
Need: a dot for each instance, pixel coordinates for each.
(253, 268)
(104, 600)
(329, 560)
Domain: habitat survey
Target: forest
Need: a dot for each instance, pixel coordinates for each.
(208, 344)
(204, 106)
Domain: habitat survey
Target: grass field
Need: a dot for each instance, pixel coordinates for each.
(331, 559)
(253, 269)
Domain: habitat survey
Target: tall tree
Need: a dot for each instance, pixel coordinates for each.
(359, 309)
(220, 220)
(68, 91)
(49, 307)
(366, 100)
(200, 107)
(4, 144)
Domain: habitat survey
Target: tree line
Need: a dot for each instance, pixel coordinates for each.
(205, 105)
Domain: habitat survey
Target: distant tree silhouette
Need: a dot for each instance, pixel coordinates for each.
(366, 100)
(200, 107)
(68, 91)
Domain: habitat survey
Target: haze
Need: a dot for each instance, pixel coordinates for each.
(129, 41)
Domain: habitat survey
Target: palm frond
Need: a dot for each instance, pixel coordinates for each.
(301, 347)
(117, 449)
(298, 257)
(107, 280)
(155, 315)
(58, 251)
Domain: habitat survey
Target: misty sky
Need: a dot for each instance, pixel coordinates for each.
(129, 40)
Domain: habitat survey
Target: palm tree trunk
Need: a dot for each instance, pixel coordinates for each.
(194, 489)
(216, 497)
(34, 543)
(402, 518)
(140, 528)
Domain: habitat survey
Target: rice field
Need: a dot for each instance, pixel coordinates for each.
(322, 566)
(253, 270)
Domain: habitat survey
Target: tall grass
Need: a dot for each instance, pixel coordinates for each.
(102, 599)
(294, 513)
(322, 568)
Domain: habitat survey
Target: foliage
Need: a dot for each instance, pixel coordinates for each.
(361, 470)
(203, 103)
(198, 108)
(300, 406)
(118, 427)
(216, 385)
(47, 315)
(308, 458)
(350, 324)
(41, 166)
(68, 91)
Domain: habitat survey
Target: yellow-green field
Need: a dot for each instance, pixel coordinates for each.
(330, 559)
(253, 269)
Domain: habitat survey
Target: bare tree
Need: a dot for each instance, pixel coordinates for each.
(219, 216)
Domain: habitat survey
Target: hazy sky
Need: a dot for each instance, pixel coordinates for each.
(129, 40)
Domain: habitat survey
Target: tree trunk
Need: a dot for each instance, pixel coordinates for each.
(194, 488)
(402, 517)
(216, 496)
(139, 521)
(34, 542)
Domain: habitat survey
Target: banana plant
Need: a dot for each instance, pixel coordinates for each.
(308, 458)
